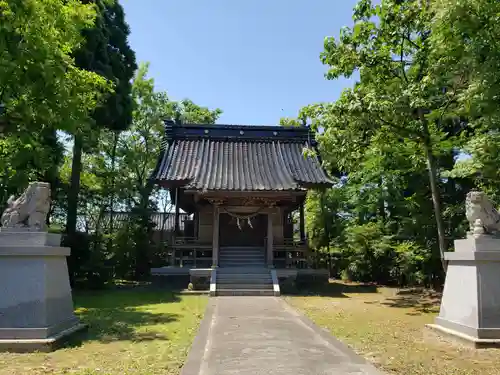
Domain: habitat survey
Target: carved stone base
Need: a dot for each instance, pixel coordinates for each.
(470, 307)
(36, 306)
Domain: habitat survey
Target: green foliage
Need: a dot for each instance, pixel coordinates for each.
(465, 44)
(106, 52)
(403, 98)
(428, 77)
(28, 156)
(369, 252)
(89, 265)
(116, 178)
(324, 218)
(410, 264)
(40, 84)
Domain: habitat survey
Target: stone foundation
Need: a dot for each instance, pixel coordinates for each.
(200, 282)
(470, 307)
(36, 306)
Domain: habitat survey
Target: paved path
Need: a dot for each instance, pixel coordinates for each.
(265, 336)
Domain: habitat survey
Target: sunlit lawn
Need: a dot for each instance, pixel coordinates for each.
(387, 328)
(138, 332)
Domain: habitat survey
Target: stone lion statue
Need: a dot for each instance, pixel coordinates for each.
(30, 210)
(483, 218)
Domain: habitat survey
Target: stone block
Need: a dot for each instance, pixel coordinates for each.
(470, 306)
(477, 243)
(200, 282)
(16, 238)
(36, 306)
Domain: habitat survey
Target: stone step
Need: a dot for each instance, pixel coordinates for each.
(242, 271)
(243, 280)
(239, 255)
(242, 250)
(245, 292)
(260, 276)
(253, 263)
(223, 248)
(242, 261)
(245, 287)
(236, 251)
(232, 265)
(244, 284)
(244, 277)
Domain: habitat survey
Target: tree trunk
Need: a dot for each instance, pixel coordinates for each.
(51, 174)
(432, 169)
(143, 244)
(74, 190)
(381, 201)
(112, 190)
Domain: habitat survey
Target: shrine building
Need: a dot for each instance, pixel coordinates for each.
(241, 185)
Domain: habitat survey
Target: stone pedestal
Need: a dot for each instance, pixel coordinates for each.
(470, 307)
(36, 306)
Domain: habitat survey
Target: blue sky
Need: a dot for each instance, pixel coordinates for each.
(257, 60)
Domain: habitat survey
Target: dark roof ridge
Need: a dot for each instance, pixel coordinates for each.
(240, 126)
(238, 132)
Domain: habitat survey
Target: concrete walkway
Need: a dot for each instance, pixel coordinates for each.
(265, 336)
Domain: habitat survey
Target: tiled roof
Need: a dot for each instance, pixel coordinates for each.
(239, 159)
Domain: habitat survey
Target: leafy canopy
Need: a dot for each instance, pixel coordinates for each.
(40, 84)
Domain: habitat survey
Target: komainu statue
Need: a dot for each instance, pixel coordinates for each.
(483, 218)
(30, 210)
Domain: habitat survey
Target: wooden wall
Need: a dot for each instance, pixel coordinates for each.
(277, 217)
(205, 229)
(205, 233)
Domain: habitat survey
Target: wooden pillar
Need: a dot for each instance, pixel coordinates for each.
(176, 226)
(176, 229)
(196, 224)
(302, 223)
(270, 238)
(215, 238)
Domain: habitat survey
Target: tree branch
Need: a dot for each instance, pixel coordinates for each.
(407, 37)
(401, 59)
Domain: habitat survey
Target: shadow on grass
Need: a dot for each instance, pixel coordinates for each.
(332, 289)
(420, 300)
(115, 315)
(124, 297)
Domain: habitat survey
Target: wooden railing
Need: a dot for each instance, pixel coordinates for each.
(290, 254)
(190, 252)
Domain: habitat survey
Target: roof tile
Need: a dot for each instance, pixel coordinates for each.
(248, 165)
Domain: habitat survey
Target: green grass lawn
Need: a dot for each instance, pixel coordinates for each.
(134, 331)
(386, 326)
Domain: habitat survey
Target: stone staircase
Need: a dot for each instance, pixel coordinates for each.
(243, 272)
(242, 257)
